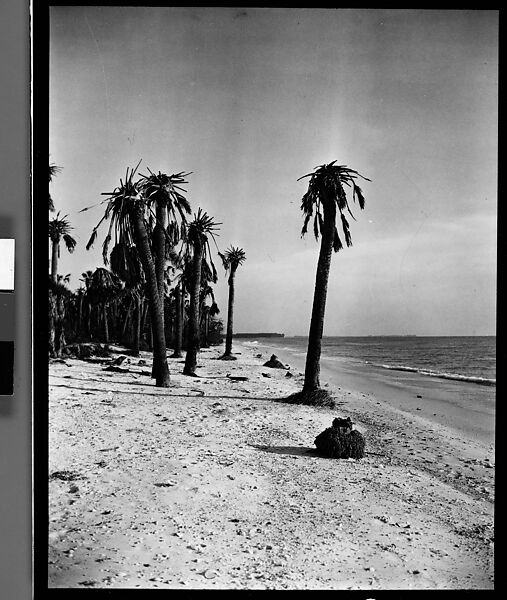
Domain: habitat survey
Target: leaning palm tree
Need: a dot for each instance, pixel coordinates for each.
(324, 199)
(126, 212)
(59, 229)
(231, 259)
(197, 245)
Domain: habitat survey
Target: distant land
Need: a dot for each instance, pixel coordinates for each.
(255, 335)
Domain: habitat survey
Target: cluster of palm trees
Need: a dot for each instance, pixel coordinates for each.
(161, 265)
(160, 273)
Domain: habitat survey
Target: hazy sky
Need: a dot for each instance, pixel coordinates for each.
(251, 99)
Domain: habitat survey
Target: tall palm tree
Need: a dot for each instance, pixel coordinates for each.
(126, 212)
(59, 229)
(324, 199)
(231, 259)
(199, 230)
(53, 170)
(163, 193)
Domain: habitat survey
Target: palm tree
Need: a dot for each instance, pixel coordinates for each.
(197, 246)
(163, 193)
(325, 194)
(86, 278)
(126, 210)
(53, 170)
(231, 259)
(126, 264)
(103, 288)
(59, 229)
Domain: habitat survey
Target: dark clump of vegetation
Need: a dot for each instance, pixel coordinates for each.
(312, 398)
(274, 363)
(341, 441)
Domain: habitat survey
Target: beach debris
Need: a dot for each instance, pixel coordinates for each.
(119, 360)
(265, 374)
(274, 363)
(166, 484)
(289, 374)
(141, 362)
(87, 350)
(341, 440)
(116, 369)
(258, 356)
(237, 378)
(66, 475)
(227, 357)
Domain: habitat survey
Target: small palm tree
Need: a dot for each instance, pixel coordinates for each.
(197, 245)
(53, 170)
(59, 229)
(104, 286)
(324, 199)
(231, 259)
(126, 212)
(126, 264)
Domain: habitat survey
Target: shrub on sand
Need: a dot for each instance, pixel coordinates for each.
(340, 442)
(274, 363)
(312, 398)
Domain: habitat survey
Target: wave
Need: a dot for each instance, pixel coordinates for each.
(440, 375)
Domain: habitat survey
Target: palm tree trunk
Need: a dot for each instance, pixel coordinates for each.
(159, 252)
(89, 321)
(54, 259)
(312, 369)
(127, 320)
(162, 377)
(230, 314)
(193, 321)
(52, 324)
(178, 336)
(79, 317)
(137, 327)
(106, 324)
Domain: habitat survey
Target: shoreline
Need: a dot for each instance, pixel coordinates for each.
(214, 483)
(466, 407)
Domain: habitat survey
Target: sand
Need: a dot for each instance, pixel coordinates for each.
(214, 483)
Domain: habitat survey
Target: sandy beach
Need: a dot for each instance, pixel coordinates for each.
(214, 483)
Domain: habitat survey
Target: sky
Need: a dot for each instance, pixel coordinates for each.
(249, 100)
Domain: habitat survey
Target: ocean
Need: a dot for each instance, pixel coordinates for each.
(471, 359)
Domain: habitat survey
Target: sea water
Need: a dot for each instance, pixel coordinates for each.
(465, 358)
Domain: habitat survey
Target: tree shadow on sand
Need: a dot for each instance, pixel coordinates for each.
(161, 393)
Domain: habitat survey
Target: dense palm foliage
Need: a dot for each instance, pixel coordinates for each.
(324, 200)
(59, 230)
(231, 259)
(197, 246)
